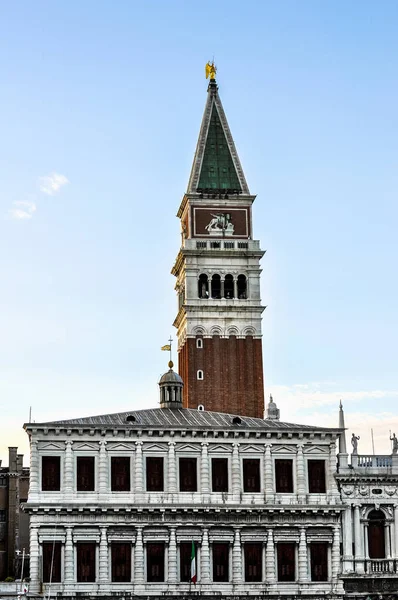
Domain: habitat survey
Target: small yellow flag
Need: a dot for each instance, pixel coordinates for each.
(166, 347)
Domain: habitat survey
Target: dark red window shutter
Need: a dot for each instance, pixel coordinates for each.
(251, 475)
(286, 553)
(185, 561)
(85, 476)
(154, 474)
(120, 474)
(376, 534)
(253, 562)
(50, 473)
(85, 561)
(319, 561)
(220, 562)
(219, 474)
(283, 476)
(121, 561)
(155, 562)
(316, 477)
(51, 562)
(188, 476)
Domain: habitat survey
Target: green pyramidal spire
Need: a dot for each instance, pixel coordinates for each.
(216, 167)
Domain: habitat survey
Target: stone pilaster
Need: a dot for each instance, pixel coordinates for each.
(172, 562)
(270, 575)
(103, 556)
(204, 469)
(268, 477)
(347, 540)
(236, 487)
(396, 529)
(205, 557)
(332, 469)
(387, 537)
(172, 479)
(139, 557)
(34, 483)
(303, 556)
(237, 576)
(139, 483)
(301, 487)
(103, 478)
(69, 558)
(336, 552)
(359, 557)
(34, 559)
(68, 470)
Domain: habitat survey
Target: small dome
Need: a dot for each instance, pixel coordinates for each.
(170, 377)
(170, 385)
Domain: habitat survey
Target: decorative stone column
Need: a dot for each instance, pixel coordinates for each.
(34, 559)
(68, 470)
(336, 551)
(268, 478)
(387, 538)
(359, 566)
(103, 478)
(270, 558)
(205, 557)
(303, 556)
(138, 468)
(237, 558)
(347, 541)
(301, 487)
(139, 557)
(103, 556)
(172, 562)
(34, 483)
(396, 529)
(332, 469)
(172, 479)
(236, 470)
(69, 558)
(204, 469)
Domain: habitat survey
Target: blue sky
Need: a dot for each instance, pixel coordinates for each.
(101, 105)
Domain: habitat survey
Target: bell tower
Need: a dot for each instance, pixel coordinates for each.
(218, 276)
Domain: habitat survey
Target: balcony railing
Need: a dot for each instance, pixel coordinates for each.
(223, 244)
(381, 566)
(372, 461)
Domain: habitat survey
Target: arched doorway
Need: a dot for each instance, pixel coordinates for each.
(376, 534)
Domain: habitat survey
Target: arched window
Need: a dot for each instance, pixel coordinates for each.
(216, 287)
(242, 287)
(199, 343)
(200, 375)
(229, 287)
(376, 536)
(203, 286)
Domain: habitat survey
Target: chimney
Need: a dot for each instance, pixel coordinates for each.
(19, 463)
(12, 459)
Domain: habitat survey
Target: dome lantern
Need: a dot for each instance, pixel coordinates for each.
(171, 385)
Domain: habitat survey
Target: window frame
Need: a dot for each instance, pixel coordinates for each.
(312, 548)
(260, 469)
(284, 459)
(152, 543)
(77, 458)
(293, 545)
(57, 455)
(113, 544)
(220, 458)
(228, 562)
(158, 457)
(200, 375)
(112, 458)
(246, 546)
(58, 554)
(317, 460)
(188, 457)
(78, 563)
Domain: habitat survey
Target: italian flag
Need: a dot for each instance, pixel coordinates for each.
(193, 564)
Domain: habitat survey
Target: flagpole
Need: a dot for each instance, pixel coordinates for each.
(171, 341)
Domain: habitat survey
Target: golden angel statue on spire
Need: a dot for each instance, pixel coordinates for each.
(211, 70)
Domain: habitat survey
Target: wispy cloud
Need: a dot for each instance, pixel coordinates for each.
(22, 210)
(51, 184)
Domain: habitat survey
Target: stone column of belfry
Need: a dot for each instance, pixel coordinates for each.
(69, 559)
(204, 469)
(205, 557)
(103, 556)
(268, 477)
(359, 566)
(301, 487)
(138, 468)
(270, 558)
(139, 556)
(302, 556)
(336, 551)
(103, 468)
(172, 479)
(237, 557)
(34, 470)
(68, 471)
(34, 559)
(235, 470)
(172, 562)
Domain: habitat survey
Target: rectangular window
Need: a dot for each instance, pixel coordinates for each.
(50, 473)
(220, 562)
(253, 562)
(283, 476)
(188, 477)
(251, 475)
(2, 516)
(316, 477)
(120, 474)
(51, 562)
(85, 479)
(155, 562)
(319, 561)
(185, 561)
(154, 474)
(286, 553)
(121, 562)
(219, 474)
(85, 558)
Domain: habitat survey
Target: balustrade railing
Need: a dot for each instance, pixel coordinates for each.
(373, 461)
(381, 566)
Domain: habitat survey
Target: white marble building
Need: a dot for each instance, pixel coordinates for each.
(116, 501)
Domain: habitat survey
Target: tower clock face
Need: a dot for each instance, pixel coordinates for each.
(221, 221)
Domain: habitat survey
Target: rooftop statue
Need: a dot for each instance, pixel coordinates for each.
(211, 70)
(394, 443)
(354, 442)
